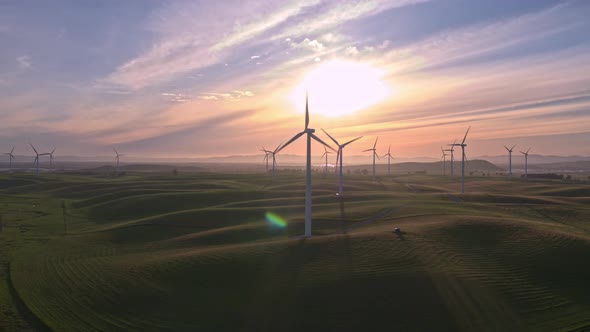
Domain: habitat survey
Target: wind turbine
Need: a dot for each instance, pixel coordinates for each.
(10, 158)
(462, 145)
(526, 159)
(117, 155)
(374, 149)
(339, 157)
(266, 154)
(444, 160)
(274, 160)
(509, 158)
(326, 153)
(452, 150)
(51, 158)
(310, 134)
(36, 161)
(389, 157)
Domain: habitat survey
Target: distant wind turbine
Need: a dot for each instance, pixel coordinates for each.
(36, 161)
(526, 159)
(10, 158)
(310, 134)
(117, 155)
(274, 159)
(51, 158)
(266, 154)
(389, 157)
(374, 149)
(444, 160)
(452, 151)
(462, 145)
(510, 158)
(326, 153)
(339, 157)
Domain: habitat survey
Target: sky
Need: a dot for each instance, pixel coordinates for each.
(213, 78)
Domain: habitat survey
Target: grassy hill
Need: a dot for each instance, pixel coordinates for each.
(195, 253)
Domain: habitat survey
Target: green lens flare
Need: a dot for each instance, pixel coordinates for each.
(275, 220)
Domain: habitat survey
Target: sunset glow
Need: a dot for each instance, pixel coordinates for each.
(340, 88)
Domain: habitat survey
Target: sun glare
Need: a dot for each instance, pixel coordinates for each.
(340, 88)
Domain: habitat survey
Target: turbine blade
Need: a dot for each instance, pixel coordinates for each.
(507, 149)
(375, 152)
(53, 150)
(345, 144)
(34, 148)
(278, 146)
(389, 150)
(117, 153)
(367, 150)
(290, 141)
(11, 151)
(465, 137)
(322, 142)
(375, 145)
(512, 147)
(338, 156)
(527, 151)
(332, 138)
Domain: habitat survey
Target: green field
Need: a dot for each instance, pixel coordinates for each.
(194, 252)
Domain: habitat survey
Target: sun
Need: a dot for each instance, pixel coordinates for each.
(340, 88)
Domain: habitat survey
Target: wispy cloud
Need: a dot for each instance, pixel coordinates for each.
(24, 61)
(235, 95)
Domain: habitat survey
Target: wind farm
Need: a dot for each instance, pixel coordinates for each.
(228, 209)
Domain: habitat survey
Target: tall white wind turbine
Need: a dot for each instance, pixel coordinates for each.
(10, 158)
(510, 158)
(310, 134)
(389, 157)
(339, 158)
(462, 145)
(374, 149)
(526, 160)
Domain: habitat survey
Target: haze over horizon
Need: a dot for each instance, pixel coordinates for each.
(184, 80)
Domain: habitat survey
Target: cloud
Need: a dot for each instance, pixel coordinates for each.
(234, 95)
(176, 97)
(24, 61)
(255, 57)
(310, 45)
(351, 50)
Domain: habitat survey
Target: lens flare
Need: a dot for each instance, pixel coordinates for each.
(275, 220)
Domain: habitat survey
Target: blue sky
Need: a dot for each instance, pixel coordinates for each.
(203, 78)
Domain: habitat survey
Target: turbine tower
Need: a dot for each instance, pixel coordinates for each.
(310, 135)
(326, 152)
(444, 160)
(389, 157)
(36, 161)
(10, 158)
(462, 145)
(509, 158)
(339, 158)
(374, 149)
(526, 159)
